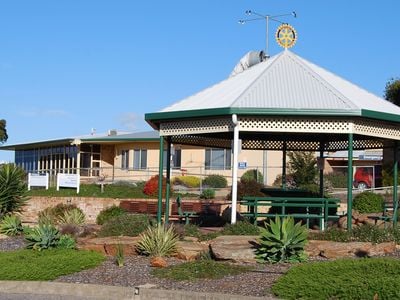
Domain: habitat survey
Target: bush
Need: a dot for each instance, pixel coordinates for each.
(372, 278)
(188, 181)
(52, 215)
(11, 225)
(215, 181)
(66, 242)
(303, 166)
(368, 202)
(207, 194)
(248, 188)
(74, 216)
(42, 237)
(252, 175)
(127, 224)
(158, 241)
(151, 186)
(13, 189)
(111, 212)
(337, 180)
(282, 241)
(240, 228)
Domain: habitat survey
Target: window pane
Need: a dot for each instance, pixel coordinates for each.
(208, 159)
(228, 159)
(217, 159)
(177, 159)
(144, 159)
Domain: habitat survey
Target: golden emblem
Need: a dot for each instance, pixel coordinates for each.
(286, 36)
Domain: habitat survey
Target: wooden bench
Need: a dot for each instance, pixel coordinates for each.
(184, 214)
(315, 208)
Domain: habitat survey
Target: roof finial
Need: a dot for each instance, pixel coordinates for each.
(286, 36)
(266, 18)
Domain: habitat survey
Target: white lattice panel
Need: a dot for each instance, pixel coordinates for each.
(373, 128)
(288, 124)
(196, 126)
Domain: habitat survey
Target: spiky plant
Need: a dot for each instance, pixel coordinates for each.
(74, 216)
(11, 225)
(119, 255)
(42, 237)
(282, 241)
(66, 242)
(13, 189)
(158, 240)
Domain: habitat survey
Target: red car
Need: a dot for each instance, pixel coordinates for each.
(363, 178)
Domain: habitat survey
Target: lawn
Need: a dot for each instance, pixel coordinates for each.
(45, 265)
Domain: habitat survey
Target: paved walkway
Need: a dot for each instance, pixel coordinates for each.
(42, 290)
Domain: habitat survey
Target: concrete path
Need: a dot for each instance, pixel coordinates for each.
(39, 290)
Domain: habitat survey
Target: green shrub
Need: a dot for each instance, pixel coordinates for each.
(197, 269)
(207, 194)
(11, 225)
(13, 189)
(45, 265)
(127, 224)
(66, 242)
(248, 188)
(337, 180)
(52, 215)
(215, 181)
(368, 202)
(332, 234)
(241, 228)
(111, 212)
(74, 216)
(252, 175)
(282, 241)
(303, 167)
(372, 278)
(158, 241)
(42, 237)
(119, 255)
(191, 230)
(188, 181)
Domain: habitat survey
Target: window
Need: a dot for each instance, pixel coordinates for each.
(139, 159)
(175, 159)
(124, 159)
(218, 159)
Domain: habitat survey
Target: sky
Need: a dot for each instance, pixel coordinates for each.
(69, 66)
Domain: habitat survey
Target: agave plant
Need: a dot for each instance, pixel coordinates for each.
(66, 242)
(282, 241)
(13, 189)
(42, 237)
(11, 225)
(74, 216)
(158, 241)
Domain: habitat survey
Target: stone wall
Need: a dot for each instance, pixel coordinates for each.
(90, 206)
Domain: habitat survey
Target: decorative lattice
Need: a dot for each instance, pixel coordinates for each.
(196, 126)
(372, 128)
(291, 124)
(201, 141)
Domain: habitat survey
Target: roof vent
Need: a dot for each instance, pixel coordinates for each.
(112, 132)
(250, 59)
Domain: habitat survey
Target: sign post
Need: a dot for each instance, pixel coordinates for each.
(38, 180)
(68, 180)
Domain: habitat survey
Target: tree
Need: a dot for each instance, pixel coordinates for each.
(3, 131)
(392, 91)
(303, 166)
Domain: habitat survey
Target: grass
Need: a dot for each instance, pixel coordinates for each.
(45, 265)
(372, 278)
(199, 269)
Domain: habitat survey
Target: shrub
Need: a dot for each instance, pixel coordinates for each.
(127, 224)
(111, 212)
(13, 189)
(337, 180)
(252, 175)
(158, 241)
(215, 181)
(74, 216)
(241, 228)
(368, 202)
(119, 255)
(52, 215)
(207, 194)
(151, 186)
(372, 278)
(11, 225)
(66, 242)
(188, 181)
(248, 188)
(42, 237)
(191, 230)
(282, 241)
(303, 166)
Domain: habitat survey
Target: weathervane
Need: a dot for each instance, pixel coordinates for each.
(284, 34)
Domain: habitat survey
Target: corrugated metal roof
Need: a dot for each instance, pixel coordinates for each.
(285, 81)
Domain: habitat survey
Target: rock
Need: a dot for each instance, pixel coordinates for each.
(158, 262)
(3, 236)
(190, 239)
(190, 250)
(330, 249)
(108, 245)
(237, 248)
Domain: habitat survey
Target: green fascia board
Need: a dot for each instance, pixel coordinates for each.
(120, 140)
(380, 115)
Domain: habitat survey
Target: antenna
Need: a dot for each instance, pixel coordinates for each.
(266, 18)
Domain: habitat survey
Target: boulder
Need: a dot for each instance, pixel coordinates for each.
(190, 250)
(108, 245)
(158, 262)
(237, 248)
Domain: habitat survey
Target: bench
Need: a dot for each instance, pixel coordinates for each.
(183, 214)
(315, 208)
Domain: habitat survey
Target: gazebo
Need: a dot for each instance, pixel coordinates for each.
(283, 103)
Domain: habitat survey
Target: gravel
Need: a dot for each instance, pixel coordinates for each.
(136, 271)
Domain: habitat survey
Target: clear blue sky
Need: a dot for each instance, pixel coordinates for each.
(69, 66)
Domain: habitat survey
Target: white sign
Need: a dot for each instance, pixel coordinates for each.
(68, 180)
(38, 180)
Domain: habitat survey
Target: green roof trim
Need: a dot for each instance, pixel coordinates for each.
(380, 115)
(119, 139)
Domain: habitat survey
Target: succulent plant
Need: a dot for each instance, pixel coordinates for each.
(158, 241)
(11, 225)
(42, 237)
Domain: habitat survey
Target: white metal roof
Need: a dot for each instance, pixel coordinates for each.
(286, 81)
